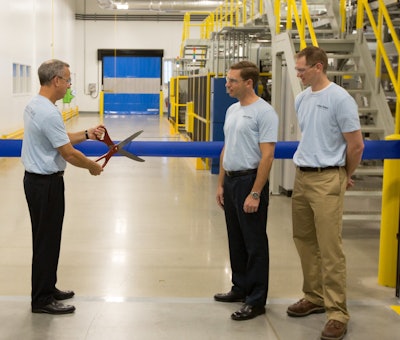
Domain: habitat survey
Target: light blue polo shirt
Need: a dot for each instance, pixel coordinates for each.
(323, 117)
(44, 132)
(245, 128)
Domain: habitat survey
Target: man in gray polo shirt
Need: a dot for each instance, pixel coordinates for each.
(251, 130)
(46, 149)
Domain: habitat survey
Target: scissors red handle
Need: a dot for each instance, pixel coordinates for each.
(114, 148)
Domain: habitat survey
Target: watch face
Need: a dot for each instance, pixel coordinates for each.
(255, 195)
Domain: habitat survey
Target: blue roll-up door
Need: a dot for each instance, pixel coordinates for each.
(131, 84)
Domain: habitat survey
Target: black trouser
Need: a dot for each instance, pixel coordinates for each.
(248, 240)
(45, 197)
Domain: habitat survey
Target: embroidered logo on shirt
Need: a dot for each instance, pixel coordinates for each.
(322, 107)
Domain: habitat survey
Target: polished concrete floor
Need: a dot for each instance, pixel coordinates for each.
(145, 248)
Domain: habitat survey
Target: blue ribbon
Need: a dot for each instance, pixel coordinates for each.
(382, 149)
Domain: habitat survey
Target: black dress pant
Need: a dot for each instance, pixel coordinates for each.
(248, 241)
(45, 197)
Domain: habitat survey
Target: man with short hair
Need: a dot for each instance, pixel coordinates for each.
(46, 149)
(329, 152)
(251, 131)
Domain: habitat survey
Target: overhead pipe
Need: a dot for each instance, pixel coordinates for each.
(161, 6)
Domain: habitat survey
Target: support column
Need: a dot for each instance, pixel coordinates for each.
(389, 220)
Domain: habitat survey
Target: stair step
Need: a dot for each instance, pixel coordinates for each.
(361, 217)
(321, 16)
(367, 110)
(345, 73)
(369, 171)
(358, 91)
(363, 193)
(325, 30)
(372, 129)
(331, 45)
(341, 55)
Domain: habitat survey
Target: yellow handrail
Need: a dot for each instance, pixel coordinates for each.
(66, 114)
(14, 135)
(234, 13)
(381, 54)
(302, 22)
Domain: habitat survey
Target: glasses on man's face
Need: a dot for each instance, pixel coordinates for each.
(232, 80)
(303, 70)
(68, 81)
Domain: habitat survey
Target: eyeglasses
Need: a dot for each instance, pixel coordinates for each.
(303, 70)
(66, 80)
(232, 80)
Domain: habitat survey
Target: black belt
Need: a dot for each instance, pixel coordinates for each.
(58, 174)
(310, 169)
(240, 172)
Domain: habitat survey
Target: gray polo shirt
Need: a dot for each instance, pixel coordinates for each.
(44, 132)
(323, 118)
(245, 128)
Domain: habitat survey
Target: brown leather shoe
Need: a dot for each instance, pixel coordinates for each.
(304, 307)
(334, 330)
(231, 296)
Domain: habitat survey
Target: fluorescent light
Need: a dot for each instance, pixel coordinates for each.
(121, 5)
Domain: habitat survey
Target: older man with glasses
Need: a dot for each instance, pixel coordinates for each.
(46, 149)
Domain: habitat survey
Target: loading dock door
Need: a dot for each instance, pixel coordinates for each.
(131, 84)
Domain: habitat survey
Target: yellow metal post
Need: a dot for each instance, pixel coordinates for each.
(161, 108)
(389, 220)
(101, 107)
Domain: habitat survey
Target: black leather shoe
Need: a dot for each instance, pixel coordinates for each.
(231, 296)
(54, 307)
(248, 312)
(63, 295)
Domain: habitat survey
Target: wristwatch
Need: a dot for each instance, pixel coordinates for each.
(255, 195)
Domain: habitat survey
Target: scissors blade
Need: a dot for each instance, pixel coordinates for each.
(130, 155)
(120, 145)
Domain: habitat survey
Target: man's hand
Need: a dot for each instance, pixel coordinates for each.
(96, 132)
(251, 204)
(220, 196)
(95, 169)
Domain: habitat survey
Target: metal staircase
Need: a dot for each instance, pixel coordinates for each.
(352, 66)
(195, 53)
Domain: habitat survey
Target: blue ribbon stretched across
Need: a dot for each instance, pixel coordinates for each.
(383, 149)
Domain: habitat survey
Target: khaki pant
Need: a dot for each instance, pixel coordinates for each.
(317, 209)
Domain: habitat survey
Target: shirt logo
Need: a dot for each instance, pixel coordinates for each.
(323, 107)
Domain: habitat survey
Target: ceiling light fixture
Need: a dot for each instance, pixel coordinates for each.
(121, 5)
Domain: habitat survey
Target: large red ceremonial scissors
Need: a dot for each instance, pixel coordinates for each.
(118, 148)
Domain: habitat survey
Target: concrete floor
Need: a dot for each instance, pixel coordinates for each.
(145, 249)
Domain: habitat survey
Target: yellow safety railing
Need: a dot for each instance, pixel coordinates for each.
(175, 104)
(383, 19)
(204, 27)
(70, 113)
(18, 134)
(343, 16)
(232, 13)
(302, 19)
(14, 135)
(237, 13)
(101, 107)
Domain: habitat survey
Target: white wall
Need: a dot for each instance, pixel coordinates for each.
(93, 35)
(32, 31)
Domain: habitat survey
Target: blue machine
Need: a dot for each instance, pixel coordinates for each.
(220, 101)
